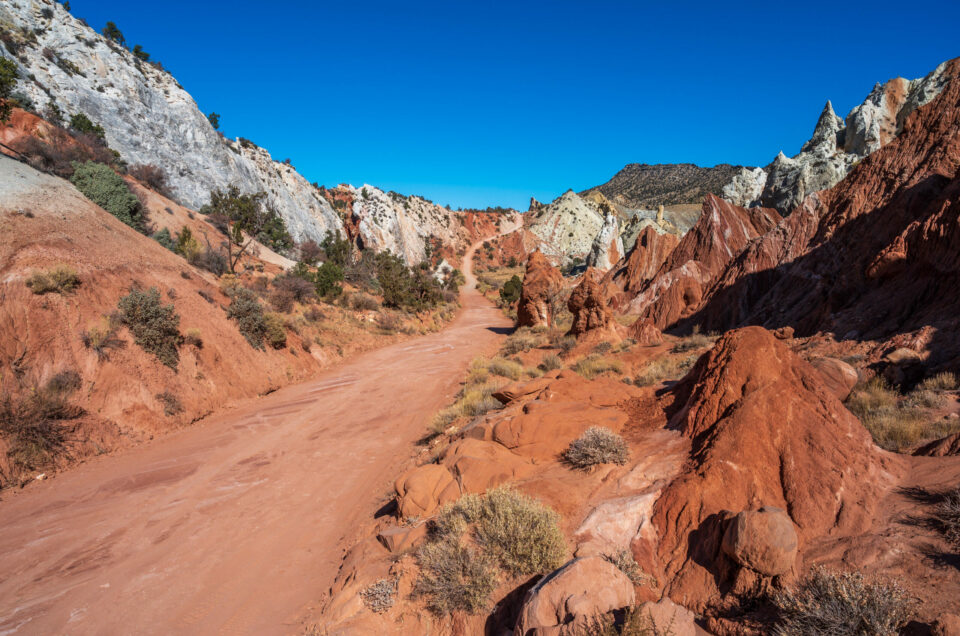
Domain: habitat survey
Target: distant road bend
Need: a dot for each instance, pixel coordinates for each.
(233, 525)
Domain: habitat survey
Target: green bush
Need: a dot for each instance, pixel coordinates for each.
(82, 124)
(841, 604)
(246, 310)
(597, 445)
(336, 249)
(155, 326)
(61, 280)
(103, 186)
(164, 238)
(411, 290)
(327, 280)
(510, 292)
(8, 82)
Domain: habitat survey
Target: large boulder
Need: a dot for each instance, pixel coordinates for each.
(588, 304)
(763, 540)
(421, 490)
(764, 430)
(666, 617)
(839, 376)
(564, 601)
(542, 286)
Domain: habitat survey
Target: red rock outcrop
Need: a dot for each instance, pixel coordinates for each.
(542, 285)
(646, 333)
(949, 445)
(680, 285)
(588, 304)
(876, 255)
(765, 430)
(629, 275)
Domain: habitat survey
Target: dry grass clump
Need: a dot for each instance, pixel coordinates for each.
(62, 279)
(828, 603)
(523, 339)
(695, 340)
(33, 423)
(193, 337)
(634, 623)
(597, 445)
(945, 381)
(624, 561)
(379, 597)
(899, 422)
(550, 362)
(511, 532)
(947, 515)
(665, 368)
(505, 368)
(595, 365)
(565, 344)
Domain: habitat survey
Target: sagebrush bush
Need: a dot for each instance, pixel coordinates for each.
(511, 531)
(247, 312)
(103, 186)
(155, 326)
(454, 577)
(827, 603)
(595, 365)
(505, 368)
(624, 561)
(597, 445)
(275, 331)
(32, 424)
(522, 340)
(193, 337)
(940, 382)
(62, 279)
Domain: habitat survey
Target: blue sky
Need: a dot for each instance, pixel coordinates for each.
(477, 104)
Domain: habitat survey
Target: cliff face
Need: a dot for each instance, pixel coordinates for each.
(147, 116)
(836, 146)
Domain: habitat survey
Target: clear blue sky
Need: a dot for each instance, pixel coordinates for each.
(488, 103)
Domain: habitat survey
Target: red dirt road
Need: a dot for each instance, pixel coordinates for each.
(234, 525)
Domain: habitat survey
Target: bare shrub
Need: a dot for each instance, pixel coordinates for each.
(550, 362)
(152, 176)
(171, 403)
(33, 423)
(597, 445)
(389, 322)
(363, 302)
(827, 603)
(101, 337)
(379, 597)
(624, 561)
(454, 577)
(948, 515)
(940, 382)
(665, 368)
(521, 340)
(193, 337)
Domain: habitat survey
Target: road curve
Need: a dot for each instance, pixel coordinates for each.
(234, 525)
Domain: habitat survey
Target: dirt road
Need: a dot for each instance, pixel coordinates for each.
(233, 525)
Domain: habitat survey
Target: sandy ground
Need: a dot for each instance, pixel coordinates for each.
(235, 525)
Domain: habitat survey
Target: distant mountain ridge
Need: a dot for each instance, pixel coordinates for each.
(644, 186)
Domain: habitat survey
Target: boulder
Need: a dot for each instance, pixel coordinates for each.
(666, 617)
(588, 304)
(516, 390)
(565, 600)
(763, 540)
(421, 490)
(946, 625)
(400, 538)
(479, 465)
(542, 285)
(839, 376)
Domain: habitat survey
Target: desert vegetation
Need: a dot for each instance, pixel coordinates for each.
(61, 279)
(596, 446)
(841, 604)
(476, 541)
(902, 421)
(155, 326)
(103, 186)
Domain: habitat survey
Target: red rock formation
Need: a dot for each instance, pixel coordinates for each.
(877, 255)
(588, 304)
(679, 286)
(629, 275)
(646, 333)
(765, 430)
(542, 285)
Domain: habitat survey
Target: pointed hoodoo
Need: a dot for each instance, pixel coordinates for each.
(827, 129)
(660, 215)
